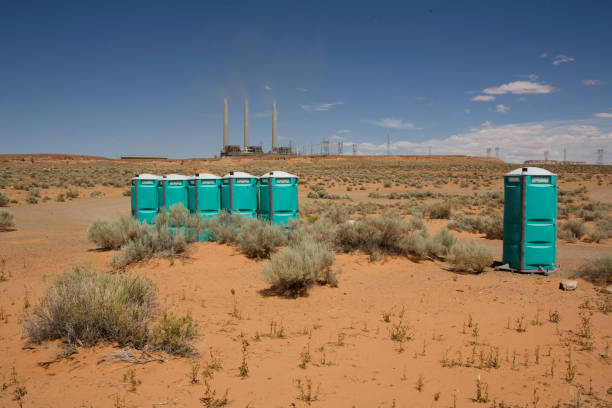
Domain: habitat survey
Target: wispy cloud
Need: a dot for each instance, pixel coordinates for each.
(264, 114)
(544, 55)
(341, 131)
(321, 107)
(517, 142)
(590, 81)
(301, 89)
(604, 115)
(519, 87)
(502, 108)
(391, 123)
(268, 87)
(561, 59)
(483, 98)
(532, 77)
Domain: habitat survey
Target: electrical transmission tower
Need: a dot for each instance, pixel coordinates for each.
(388, 146)
(488, 152)
(325, 147)
(545, 155)
(340, 146)
(429, 151)
(564, 155)
(600, 156)
(497, 152)
(354, 149)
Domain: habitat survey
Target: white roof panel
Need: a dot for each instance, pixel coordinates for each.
(531, 171)
(146, 176)
(176, 177)
(239, 174)
(206, 176)
(277, 173)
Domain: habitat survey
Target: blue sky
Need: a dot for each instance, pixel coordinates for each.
(111, 78)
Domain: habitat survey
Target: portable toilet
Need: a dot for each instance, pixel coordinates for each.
(239, 193)
(205, 195)
(530, 214)
(278, 197)
(173, 190)
(145, 203)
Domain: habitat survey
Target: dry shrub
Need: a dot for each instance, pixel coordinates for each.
(469, 256)
(598, 271)
(173, 334)
(112, 234)
(7, 220)
(259, 239)
(492, 227)
(441, 244)
(84, 308)
(4, 200)
(225, 228)
(440, 210)
(572, 230)
(299, 266)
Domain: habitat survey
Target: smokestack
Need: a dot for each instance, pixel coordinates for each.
(246, 125)
(274, 127)
(225, 132)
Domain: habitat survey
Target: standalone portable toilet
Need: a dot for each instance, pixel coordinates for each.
(145, 203)
(205, 195)
(173, 190)
(530, 214)
(278, 197)
(239, 193)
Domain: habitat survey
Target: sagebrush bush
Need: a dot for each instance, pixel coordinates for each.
(83, 307)
(440, 210)
(33, 196)
(441, 244)
(493, 227)
(173, 334)
(259, 239)
(572, 230)
(225, 228)
(4, 200)
(299, 266)
(112, 234)
(598, 271)
(469, 256)
(7, 220)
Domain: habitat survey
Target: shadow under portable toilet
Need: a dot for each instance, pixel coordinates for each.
(278, 197)
(530, 216)
(144, 197)
(204, 194)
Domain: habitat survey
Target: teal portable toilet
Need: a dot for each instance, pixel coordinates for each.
(278, 197)
(530, 215)
(239, 193)
(173, 190)
(205, 195)
(145, 203)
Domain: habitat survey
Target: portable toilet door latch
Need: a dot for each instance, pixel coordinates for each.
(523, 218)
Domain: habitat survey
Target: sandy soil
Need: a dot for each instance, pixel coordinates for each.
(354, 363)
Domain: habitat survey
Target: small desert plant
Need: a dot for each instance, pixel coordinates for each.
(7, 220)
(470, 257)
(4, 200)
(441, 243)
(72, 193)
(173, 334)
(572, 230)
(439, 210)
(84, 307)
(112, 234)
(225, 228)
(259, 239)
(294, 269)
(33, 196)
(598, 271)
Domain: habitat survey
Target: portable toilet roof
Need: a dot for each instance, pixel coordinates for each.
(280, 174)
(146, 176)
(531, 171)
(176, 177)
(206, 176)
(239, 174)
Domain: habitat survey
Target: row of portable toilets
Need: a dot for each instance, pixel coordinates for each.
(273, 196)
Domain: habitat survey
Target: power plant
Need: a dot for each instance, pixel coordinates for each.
(247, 149)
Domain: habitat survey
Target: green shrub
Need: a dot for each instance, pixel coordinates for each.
(598, 271)
(439, 210)
(72, 193)
(7, 220)
(259, 239)
(572, 230)
(84, 308)
(225, 228)
(4, 200)
(441, 244)
(173, 334)
(60, 198)
(299, 266)
(468, 256)
(462, 222)
(112, 234)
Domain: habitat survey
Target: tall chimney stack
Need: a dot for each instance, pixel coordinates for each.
(225, 131)
(274, 144)
(246, 125)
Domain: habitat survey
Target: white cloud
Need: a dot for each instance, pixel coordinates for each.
(603, 115)
(517, 142)
(341, 131)
(268, 87)
(519, 87)
(301, 89)
(483, 98)
(392, 123)
(502, 108)
(560, 59)
(467, 110)
(590, 81)
(321, 107)
(544, 55)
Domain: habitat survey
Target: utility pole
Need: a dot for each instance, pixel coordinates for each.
(497, 152)
(545, 155)
(354, 149)
(564, 155)
(600, 160)
(488, 152)
(388, 146)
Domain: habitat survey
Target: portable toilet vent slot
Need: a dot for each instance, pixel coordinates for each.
(530, 214)
(144, 197)
(278, 197)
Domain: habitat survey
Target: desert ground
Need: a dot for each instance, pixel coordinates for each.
(494, 339)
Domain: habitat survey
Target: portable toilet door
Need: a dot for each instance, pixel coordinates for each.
(239, 193)
(278, 197)
(205, 195)
(530, 216)
(173, 190)
(144, 197)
